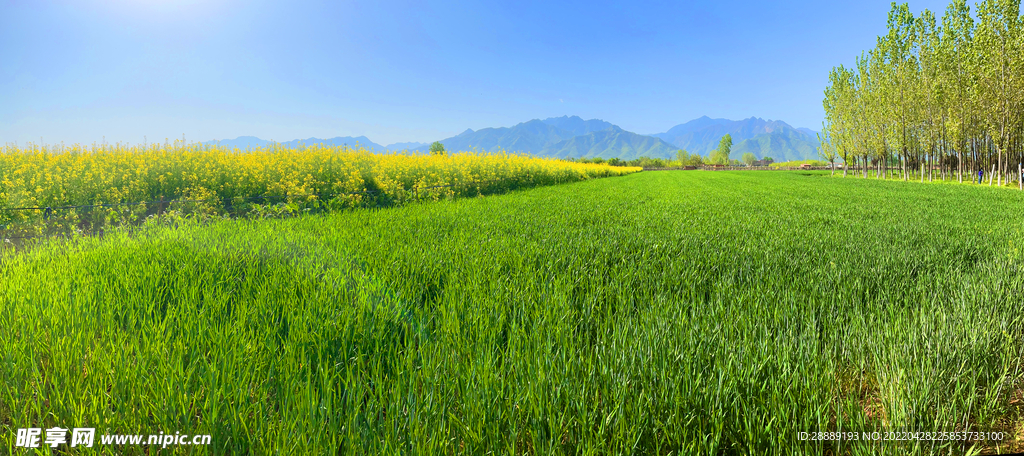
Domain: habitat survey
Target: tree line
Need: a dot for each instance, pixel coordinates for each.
(719, 156)
(935, 98)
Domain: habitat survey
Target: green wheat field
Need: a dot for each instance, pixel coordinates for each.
(654, 313)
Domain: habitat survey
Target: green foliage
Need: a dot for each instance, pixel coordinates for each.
(797, 163)
(615, 316)
(721, 154)
(937, 99)
(647, 162)
(749, 158)
(436, 148)
(644, 162)
(686, 159)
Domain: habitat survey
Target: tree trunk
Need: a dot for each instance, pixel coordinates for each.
(959, 166)
(975, 165)
(942, 152)
(999, 161)
(903, 159)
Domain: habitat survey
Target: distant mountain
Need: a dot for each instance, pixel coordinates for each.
(243, 142)
(808, 132)
(609, 143)
(573, 137)
(773, 138)
(527, 137)
(240, 142)
(576, 125)
(691, 126)
(561, 137)
(405, 146)
(350, 141)
(781, 145)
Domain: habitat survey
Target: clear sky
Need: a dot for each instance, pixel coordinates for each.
(394, 71)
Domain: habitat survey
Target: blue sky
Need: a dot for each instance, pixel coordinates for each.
(82, 71)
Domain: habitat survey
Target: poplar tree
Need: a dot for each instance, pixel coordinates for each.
(721, 154)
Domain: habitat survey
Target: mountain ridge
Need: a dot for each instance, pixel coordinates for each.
(612, 142)
(772, 138)
(562, 137)
(574, 137)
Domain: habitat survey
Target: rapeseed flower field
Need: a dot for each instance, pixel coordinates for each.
(218, 181)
